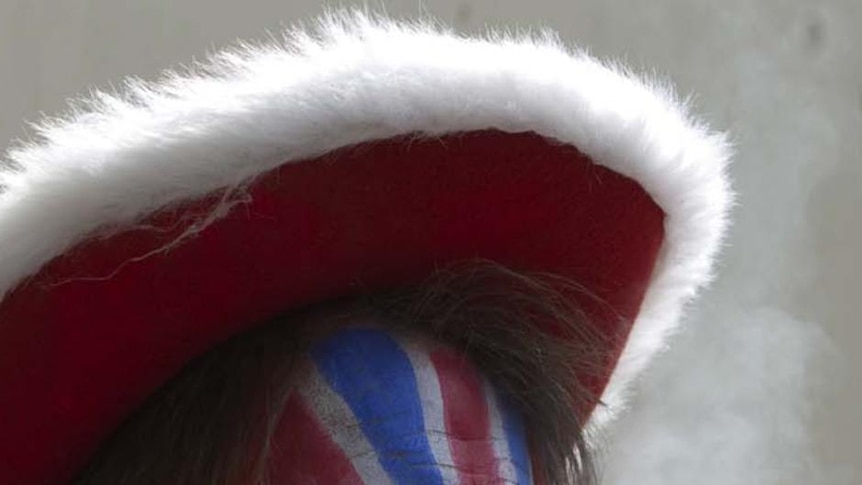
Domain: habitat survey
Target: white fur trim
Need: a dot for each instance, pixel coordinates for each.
(117, 158)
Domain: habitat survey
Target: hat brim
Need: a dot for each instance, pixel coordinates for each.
(140, 233)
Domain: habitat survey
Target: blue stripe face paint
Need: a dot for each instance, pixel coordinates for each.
(516, 439)
(376, 379)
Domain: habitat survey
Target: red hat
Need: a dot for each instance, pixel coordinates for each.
(147, 226)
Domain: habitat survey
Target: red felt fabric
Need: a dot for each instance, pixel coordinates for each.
(86, 340)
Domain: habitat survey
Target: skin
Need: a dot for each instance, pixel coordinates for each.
(375, 407)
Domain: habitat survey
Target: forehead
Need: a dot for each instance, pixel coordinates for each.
(374, 407)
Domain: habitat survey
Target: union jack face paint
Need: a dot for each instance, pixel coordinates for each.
(371, 407)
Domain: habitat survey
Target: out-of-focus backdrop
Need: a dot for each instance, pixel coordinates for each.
(763, 386)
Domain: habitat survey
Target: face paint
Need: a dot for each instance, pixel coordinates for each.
(372, 407)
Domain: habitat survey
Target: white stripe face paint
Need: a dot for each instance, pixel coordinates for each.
(505, 463)
(337, 418)
(433, 407)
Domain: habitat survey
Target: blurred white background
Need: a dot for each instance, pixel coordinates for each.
(763, 386)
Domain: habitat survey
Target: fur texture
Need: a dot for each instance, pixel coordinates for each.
(118, 157)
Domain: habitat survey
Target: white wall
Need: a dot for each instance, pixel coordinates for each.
(763, 387)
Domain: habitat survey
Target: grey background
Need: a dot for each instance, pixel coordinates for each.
(763, 385)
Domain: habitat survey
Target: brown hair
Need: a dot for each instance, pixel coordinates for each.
(202, 427)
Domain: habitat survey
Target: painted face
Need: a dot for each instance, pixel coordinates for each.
(375, 408)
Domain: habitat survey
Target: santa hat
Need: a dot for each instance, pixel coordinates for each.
(147, 226)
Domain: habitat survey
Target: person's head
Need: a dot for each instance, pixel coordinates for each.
(452, 381)
(150, 236)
